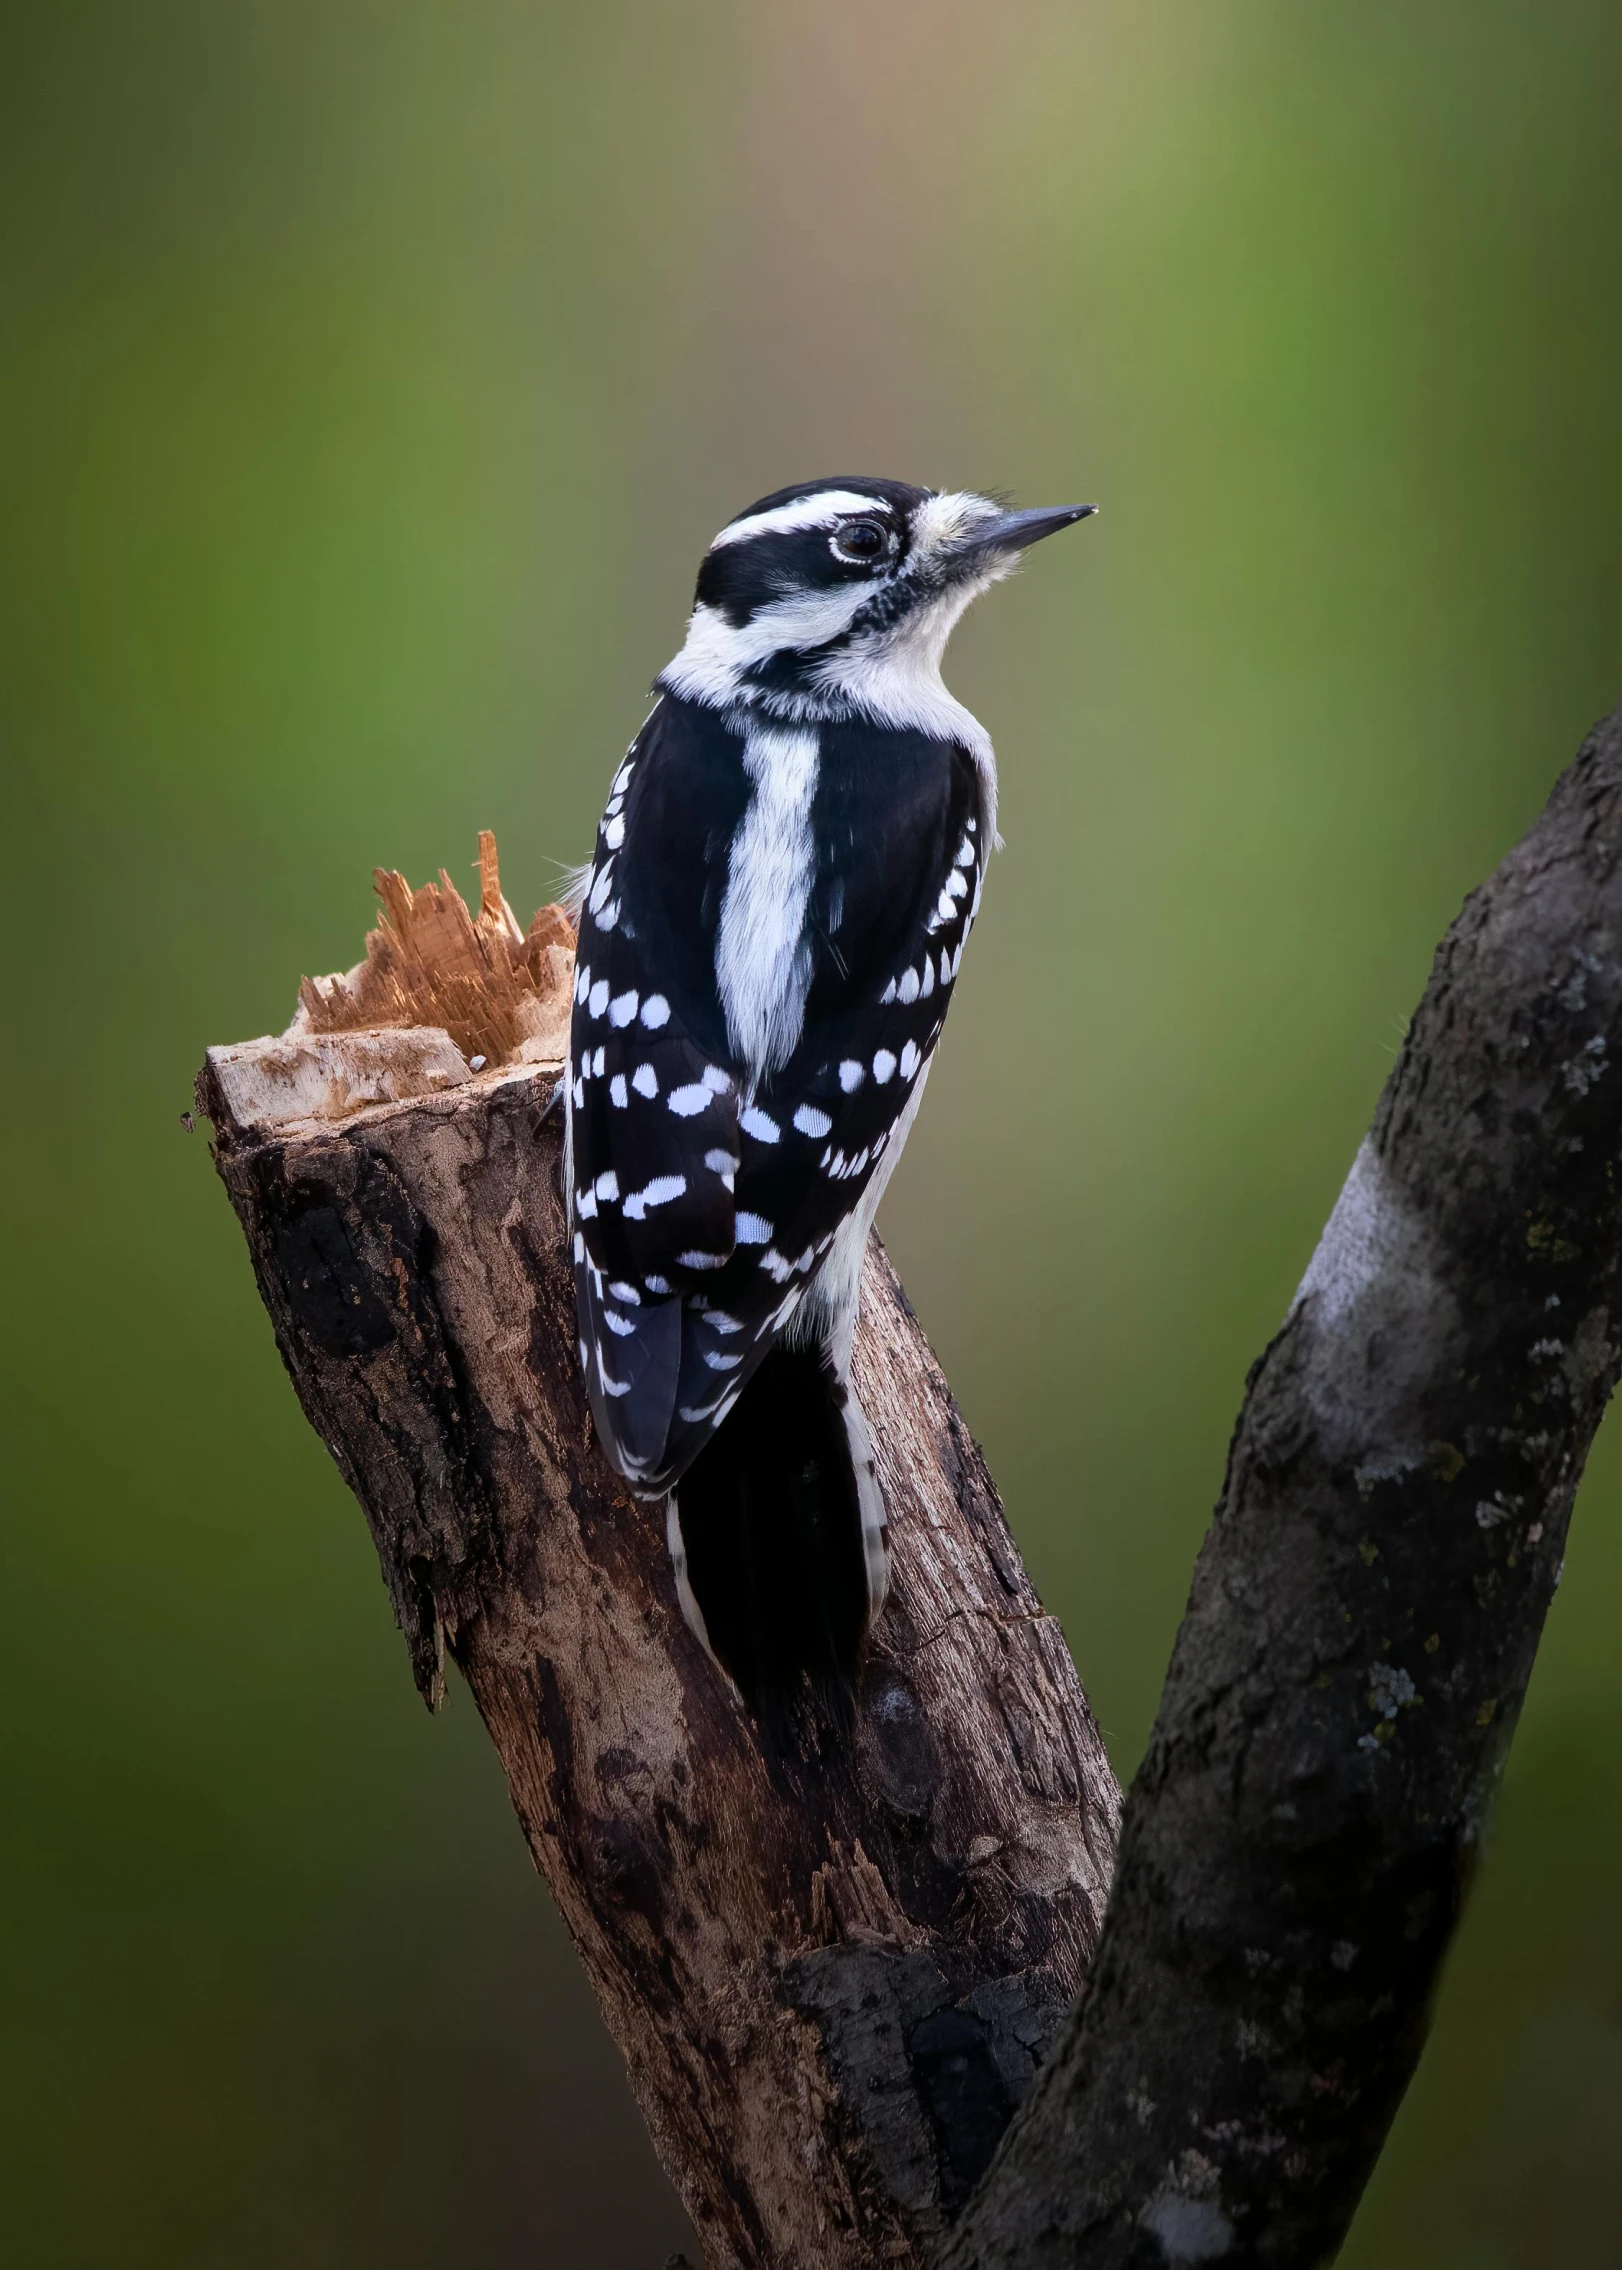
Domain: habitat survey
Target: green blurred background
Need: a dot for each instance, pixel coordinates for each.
(372, 375)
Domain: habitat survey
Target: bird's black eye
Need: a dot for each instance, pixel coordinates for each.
(861, 540)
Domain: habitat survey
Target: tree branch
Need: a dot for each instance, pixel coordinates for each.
(832, 1982)
(1363, 1618)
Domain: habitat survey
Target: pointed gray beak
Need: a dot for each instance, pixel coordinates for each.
(1016, 530)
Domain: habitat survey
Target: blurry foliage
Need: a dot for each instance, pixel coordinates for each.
(371, 377)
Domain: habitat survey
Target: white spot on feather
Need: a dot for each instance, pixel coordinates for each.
(659, 1192)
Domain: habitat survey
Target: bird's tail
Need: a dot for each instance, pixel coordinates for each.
(779, 1540)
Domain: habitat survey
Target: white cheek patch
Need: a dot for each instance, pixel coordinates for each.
(808, 618)
(821, 510)
(718, 655)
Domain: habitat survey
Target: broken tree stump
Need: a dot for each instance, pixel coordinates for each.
(832, 1979)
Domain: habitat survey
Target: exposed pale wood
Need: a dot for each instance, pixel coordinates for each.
(833, 1979)
(499, 994)
(293, 1076)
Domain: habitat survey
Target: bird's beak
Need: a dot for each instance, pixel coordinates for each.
(1016, 531)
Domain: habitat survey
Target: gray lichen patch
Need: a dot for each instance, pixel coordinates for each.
(1380, 1318)
(1189, 2230)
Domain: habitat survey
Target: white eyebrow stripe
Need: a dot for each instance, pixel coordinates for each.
(805, 512)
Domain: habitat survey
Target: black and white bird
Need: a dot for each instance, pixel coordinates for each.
(784, 881)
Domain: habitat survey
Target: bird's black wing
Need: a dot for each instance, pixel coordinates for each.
(705, 1204)
(903, 839)
(653, 1098)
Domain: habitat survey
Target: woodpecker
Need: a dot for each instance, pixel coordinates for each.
(784, 881)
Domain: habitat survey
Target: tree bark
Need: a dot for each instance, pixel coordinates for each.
(832, 1979)
(1363, 1619)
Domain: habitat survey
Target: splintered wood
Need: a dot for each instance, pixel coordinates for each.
(443, 997)
(500, 994)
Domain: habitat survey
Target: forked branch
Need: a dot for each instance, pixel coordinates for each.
(833, 1983)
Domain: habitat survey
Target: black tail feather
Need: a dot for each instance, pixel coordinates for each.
(771, 1523)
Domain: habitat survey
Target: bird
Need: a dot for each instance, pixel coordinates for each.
(770, 930)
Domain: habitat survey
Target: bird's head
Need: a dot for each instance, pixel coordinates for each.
(836, 593)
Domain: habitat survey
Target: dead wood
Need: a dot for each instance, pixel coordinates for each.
(832, 1981)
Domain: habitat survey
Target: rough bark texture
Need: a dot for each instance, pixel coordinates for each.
(1363, 1618)
(831, 1981)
